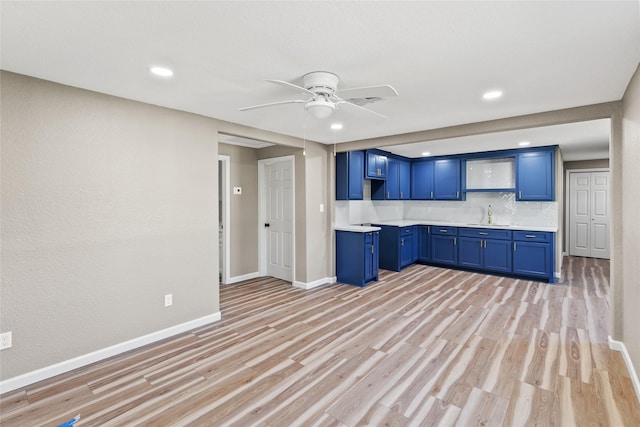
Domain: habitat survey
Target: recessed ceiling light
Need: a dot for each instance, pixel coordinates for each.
(161, 71)
(492, 94)
(426, 153)
(524, 143)
(336, 126)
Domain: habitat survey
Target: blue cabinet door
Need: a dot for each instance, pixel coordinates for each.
(444, 249)
(446, 179)
(497, 255)
(532, 259)
(375, 254)
(376, 165)
(356, 257)
(470, 252)
(356, 170)
(406, 250)
(392, 183)
(535, 176)
(404, 178)
(349, 175)
(424, 244)
(368, 262)
(416, 243)
(422, 180)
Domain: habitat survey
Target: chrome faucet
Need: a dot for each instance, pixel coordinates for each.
(489, 220)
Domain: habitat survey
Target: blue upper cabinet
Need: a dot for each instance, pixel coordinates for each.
(535, 171)
(446, 179)
(422, 180)
(404, 174)
(376, 165)
(397, 186)
(350, 175)
(435, 179)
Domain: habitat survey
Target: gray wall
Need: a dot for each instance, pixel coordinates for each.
(243, 227)
(630, 156)
(107, 205)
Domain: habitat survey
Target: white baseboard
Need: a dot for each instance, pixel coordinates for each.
(619, 346)
(243, 277)
(96, 356)
(315, 283)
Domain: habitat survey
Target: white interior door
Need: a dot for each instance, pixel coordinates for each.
(589, 214)
(600, 215)
(278, 219)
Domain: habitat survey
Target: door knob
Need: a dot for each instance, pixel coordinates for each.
(266, 224)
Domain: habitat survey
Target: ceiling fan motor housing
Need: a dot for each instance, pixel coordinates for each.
(321, 82)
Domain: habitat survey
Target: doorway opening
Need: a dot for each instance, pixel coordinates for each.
(224, 209)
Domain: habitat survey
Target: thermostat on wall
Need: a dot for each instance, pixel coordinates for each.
(237, 190)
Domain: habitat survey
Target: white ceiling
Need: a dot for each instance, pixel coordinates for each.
(440, 56)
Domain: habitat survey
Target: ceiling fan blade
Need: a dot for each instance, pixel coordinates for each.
(293, 101)
(292, 86)
(382, 91)
(360, 108)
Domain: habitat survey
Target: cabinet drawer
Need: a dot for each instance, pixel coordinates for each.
(533, 236)
(447, 231)
(485, 233)
(406, 231)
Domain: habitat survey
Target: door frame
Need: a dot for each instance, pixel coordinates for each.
(225, 196)
(262, 197)
(567, 203)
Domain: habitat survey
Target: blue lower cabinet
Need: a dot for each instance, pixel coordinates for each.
(424, 243)
(533, 254)
(396, 247)
(357, 257)
(485, 249)
(497, 256)
(470, 252)
(444, 245)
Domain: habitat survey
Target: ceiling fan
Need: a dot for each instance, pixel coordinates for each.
(323, 97)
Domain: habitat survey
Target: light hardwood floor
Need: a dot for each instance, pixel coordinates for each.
(427, 346)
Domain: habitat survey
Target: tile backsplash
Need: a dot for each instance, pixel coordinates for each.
(505, 210)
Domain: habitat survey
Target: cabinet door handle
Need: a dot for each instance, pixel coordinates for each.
(372, 249)
(482, 233)
(387, 194)
(519, 194)
(401, 242)
(530, 236)
(455, 240)
(432, 194)
(457, 194)
(514, 246)
(444, 231)
(401, 195)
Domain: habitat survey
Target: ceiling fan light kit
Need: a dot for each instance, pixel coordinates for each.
(321, 108)
(322, 87)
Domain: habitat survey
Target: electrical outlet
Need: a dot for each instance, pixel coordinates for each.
(5, 340)
(168, 300)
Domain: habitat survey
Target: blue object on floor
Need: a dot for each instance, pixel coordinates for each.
(71, 422)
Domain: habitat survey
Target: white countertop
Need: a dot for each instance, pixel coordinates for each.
(410, 222)
(357, 228)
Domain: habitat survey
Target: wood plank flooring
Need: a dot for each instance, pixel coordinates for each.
(427, 346)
